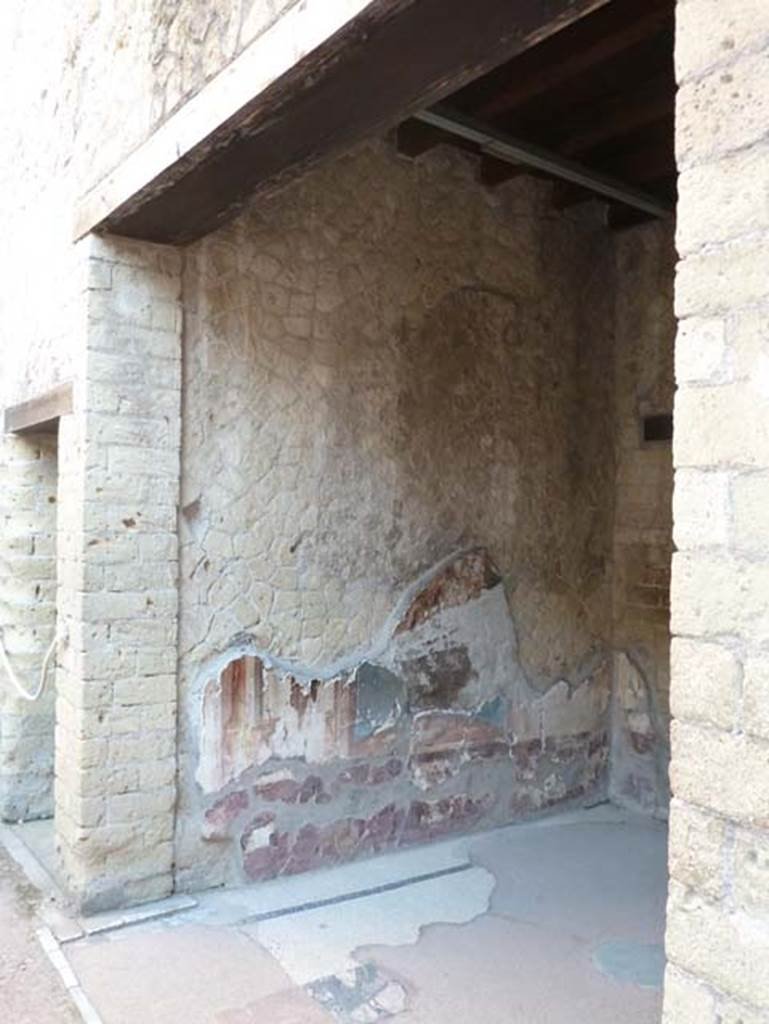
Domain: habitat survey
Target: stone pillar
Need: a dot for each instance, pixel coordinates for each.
(118, 594)
(27, 617)
(718, 914)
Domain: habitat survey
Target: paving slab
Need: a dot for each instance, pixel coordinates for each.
(557, 921)
(321, 942)
(171, 974)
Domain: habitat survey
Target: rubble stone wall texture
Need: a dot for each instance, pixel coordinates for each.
(395, 395)
(718, 912)
(643, 367)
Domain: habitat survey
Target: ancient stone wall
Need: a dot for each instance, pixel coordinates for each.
(138, 64)
(117, 595)
(80, 87)
(643, 354)
(718, 911)
(397, 485)
(28, 468)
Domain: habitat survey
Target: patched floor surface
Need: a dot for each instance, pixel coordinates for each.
(555, 922)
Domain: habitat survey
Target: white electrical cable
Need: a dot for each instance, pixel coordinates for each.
(22, 692)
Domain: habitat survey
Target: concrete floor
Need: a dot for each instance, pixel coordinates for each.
(555, 922)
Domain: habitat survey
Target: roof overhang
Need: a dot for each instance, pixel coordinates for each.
(326, 75)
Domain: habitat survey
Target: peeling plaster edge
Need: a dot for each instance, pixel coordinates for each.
(245, 644)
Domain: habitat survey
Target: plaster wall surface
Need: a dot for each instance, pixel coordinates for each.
(388, 373)
(718, 910)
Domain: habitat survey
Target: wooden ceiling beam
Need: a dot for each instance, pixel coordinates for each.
(617, 115)
(621, 33)
(647, 155)
(392, 59)
(493, 142)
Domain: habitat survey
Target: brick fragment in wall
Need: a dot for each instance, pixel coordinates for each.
(274, 852)
(370, 774)
(531, 777)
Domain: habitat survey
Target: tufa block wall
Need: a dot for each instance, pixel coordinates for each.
(117, 586)
(718, 913)
(28, 617)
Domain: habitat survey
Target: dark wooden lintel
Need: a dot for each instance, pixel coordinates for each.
(395, 58)
(41, 414)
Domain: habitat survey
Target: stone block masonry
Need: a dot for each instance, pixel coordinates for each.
(27, 618)
(117, 596)
(718, 913)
